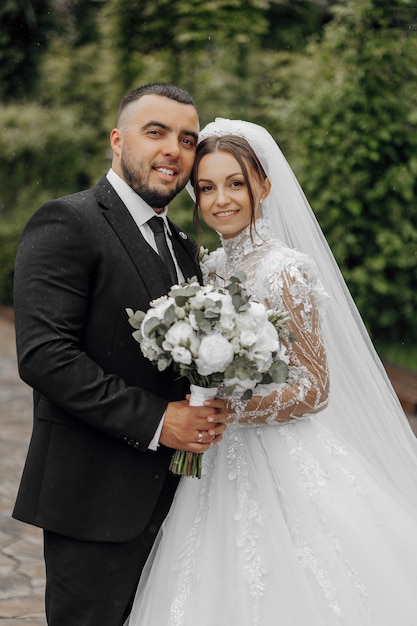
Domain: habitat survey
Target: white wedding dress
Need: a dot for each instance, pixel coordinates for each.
(288, 526)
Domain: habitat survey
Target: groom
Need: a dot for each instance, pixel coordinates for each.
(106, 421)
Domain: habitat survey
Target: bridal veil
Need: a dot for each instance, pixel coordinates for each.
(363, 407)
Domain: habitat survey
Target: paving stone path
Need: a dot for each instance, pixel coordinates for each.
(22, 584)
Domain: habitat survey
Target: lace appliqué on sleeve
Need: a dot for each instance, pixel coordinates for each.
(294, 289)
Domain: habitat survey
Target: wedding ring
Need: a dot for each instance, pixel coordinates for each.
(200, 437)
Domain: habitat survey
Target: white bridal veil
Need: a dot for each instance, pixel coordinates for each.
(363, 406)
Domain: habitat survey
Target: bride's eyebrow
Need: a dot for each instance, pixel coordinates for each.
(207, 180)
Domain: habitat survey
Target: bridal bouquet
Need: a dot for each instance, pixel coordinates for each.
(216, 338)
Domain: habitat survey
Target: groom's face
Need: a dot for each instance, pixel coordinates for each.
(154, 147)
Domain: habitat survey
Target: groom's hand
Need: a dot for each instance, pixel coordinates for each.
(193, 428)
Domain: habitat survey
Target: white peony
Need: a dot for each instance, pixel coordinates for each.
(180, 334)
(214, 355)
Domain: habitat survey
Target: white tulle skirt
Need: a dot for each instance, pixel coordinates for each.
(287, 527)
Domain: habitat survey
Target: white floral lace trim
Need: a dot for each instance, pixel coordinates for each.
(190, 551)
(314, 479)
(249, 520)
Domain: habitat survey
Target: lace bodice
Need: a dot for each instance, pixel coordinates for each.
(284, 279)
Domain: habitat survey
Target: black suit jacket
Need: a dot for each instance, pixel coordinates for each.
(97, 402)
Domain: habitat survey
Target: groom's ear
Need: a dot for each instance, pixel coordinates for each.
(266, 188)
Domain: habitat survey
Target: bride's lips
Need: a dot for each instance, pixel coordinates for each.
(226, 214)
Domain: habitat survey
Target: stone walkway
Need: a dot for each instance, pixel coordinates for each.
(22, 584)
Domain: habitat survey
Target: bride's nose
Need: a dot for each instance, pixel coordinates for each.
(222, 197)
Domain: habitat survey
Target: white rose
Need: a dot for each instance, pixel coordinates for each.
(258, 313)
(181, 355)
(248, 338)
(266, 343)
(214, 355)
(210, 263)
(149, 349)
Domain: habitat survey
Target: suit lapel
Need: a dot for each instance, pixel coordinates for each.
(151, 268)
(185, 251)
(148, 263)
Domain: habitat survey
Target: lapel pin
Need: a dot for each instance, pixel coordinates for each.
(183, 235)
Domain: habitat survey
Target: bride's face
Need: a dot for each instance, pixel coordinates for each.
(224, 198)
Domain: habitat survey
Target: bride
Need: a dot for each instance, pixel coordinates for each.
(306, 513)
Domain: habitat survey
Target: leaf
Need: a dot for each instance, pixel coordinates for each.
(163, 363)
(279, 372)
(135, 319)
(170, 316)
(239, 277)
(151, 325)
(247, 395)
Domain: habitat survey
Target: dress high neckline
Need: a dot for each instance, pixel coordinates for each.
(248, 240)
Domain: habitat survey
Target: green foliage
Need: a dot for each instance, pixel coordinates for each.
(402, 353)
(184, 37)
(23, 38)
(354, 134)
(9, 237)
(344, 113)
(34, 136)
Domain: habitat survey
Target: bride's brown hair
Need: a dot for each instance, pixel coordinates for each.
(244, 155)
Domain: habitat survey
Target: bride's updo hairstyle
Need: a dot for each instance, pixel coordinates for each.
(244, 155)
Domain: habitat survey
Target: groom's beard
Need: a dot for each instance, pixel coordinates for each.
(137, 179)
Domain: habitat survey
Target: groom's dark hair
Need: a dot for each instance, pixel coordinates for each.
(156, 89)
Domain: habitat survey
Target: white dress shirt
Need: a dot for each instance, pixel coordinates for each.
(141, 213)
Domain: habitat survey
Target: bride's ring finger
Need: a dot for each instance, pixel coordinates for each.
(200, 437)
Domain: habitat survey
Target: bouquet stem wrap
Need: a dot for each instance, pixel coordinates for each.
(200, 394)
(190, 463)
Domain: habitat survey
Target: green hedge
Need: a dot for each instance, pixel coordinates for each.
(9, 238)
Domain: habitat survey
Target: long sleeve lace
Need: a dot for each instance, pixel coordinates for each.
(283, 279)
(306, 390)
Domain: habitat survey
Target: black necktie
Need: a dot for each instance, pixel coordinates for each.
(157, 225)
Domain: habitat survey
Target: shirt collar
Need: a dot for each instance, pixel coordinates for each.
(139, 209)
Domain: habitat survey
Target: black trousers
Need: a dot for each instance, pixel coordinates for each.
(94, 583)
